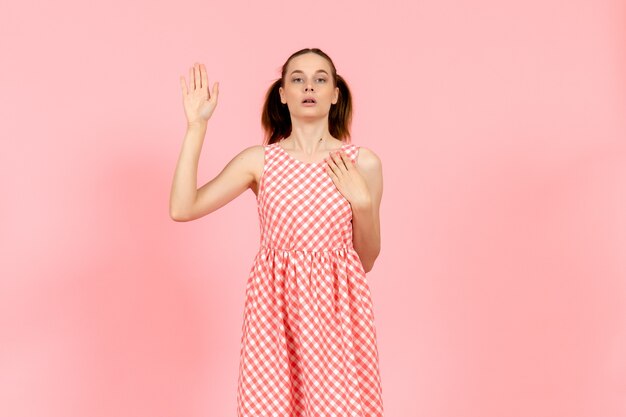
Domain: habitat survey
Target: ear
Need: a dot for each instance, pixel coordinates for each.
(336, 98)
(280, 91)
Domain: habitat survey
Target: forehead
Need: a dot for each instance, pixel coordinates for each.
(309, 63)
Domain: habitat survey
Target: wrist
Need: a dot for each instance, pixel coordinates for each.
(364, 206)
(200, 124)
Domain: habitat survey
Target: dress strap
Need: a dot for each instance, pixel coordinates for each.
(271, 155)
(352, 151)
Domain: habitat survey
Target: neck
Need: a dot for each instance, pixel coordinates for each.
(309, 138)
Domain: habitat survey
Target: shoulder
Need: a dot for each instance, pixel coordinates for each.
(368, 160)
(253, 158)
(370, 166)
(250, 159)
(254, 151)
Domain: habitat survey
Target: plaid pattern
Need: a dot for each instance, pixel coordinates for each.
(308, 345)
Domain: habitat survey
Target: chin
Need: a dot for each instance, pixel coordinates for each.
(310, 116)
(312, 111)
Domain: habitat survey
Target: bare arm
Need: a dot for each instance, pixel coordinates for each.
(366, 218)
(187, 202)
(361, 183)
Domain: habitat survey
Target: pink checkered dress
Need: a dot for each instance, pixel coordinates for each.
(308, 347)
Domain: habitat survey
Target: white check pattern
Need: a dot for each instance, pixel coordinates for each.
(308, 345)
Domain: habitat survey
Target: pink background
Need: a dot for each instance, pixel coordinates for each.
(500, 289)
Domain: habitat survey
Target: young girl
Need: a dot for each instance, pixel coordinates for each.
(308, 345)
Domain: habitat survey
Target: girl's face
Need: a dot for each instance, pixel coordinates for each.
(309, 76)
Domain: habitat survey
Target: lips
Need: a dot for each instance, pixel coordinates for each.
(309, 100)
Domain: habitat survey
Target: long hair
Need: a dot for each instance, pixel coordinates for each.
(276, 120)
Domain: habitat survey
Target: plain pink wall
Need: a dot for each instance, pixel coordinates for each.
(501, 286)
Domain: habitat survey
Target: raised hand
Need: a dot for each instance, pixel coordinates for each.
(199, 104)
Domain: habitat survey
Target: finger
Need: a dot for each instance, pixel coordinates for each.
(334, 165)
(331, 162)
(205, 81)
(183, 84)
(331, 173)
(347, 162)
(216, 90)
(192, 82)
(196, 71)
(338, 161)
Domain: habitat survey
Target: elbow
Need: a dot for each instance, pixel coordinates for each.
(182, 211)
(369, 264)
(178, 216)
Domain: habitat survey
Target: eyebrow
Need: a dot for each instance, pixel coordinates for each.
(319, 70)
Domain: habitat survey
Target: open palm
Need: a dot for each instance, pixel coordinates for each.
(199, 104)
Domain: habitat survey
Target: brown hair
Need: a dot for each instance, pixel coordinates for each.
(276, 120)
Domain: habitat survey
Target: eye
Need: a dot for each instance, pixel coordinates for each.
(322, 79)
(298, 78)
